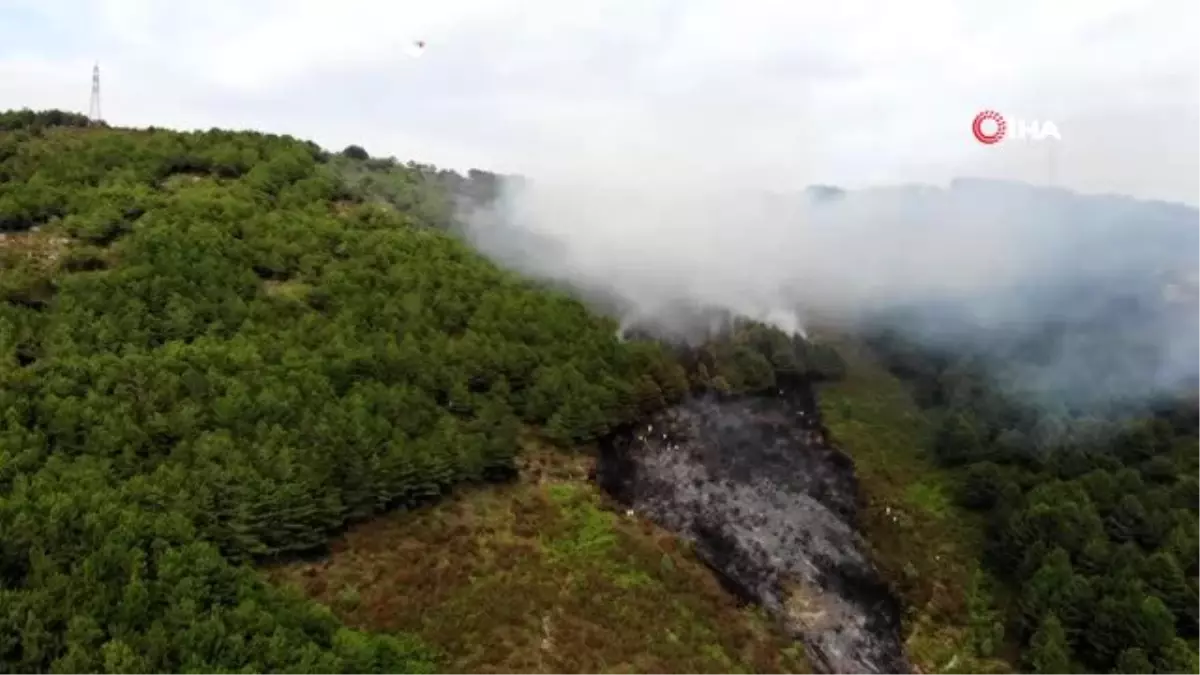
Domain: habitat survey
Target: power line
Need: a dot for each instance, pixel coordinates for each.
(94, 106)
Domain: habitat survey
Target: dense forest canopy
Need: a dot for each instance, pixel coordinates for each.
(218, 347)
(1091, 518)
(1068, 413)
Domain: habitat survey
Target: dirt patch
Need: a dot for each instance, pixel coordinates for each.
(34, 246)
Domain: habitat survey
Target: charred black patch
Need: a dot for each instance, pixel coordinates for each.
(770, 505)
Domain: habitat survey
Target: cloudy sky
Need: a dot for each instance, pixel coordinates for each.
(781, 93)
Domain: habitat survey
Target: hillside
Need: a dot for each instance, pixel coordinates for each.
(1084, 521)
(927, 546)
(1021, 397)
(221, 349)
(543, 576)
(264, 407)
(212, 351)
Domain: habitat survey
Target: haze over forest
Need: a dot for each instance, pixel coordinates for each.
(978, 265)
(286, 393)
(191, 322)
(691, 112)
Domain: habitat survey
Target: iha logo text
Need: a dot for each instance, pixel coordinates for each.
(990, 128)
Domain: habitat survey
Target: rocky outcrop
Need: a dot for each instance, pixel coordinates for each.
(769, 504)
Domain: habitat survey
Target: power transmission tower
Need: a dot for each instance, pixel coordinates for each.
(94, 106)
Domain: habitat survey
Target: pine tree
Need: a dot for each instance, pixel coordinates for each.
(648, 396)
(1154, 625)
(1165, 579)
(957, 441)
(1048, 651)
(1044, 592)
(1134, 660)
(1177, 657)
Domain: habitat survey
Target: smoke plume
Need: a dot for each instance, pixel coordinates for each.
(979, 265)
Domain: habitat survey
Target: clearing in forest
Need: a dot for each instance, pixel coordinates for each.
(542, 575)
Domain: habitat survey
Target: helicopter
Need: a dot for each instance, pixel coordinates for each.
(416, 49)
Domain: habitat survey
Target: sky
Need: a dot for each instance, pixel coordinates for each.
(769, 93)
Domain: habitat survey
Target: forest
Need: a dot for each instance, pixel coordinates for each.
(1091, 510)
(220, 348)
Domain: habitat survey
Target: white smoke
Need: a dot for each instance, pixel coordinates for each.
(1003, 256)
(684, 191)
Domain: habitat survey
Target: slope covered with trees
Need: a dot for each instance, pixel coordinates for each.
(1091, 515)
(218, 348)
(215, 348)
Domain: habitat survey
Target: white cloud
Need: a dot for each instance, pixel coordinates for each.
(769, 91)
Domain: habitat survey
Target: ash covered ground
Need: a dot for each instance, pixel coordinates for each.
(770, 506)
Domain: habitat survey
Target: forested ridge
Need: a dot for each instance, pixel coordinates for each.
(213, 350)
(1091, 514)
(221, 347)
